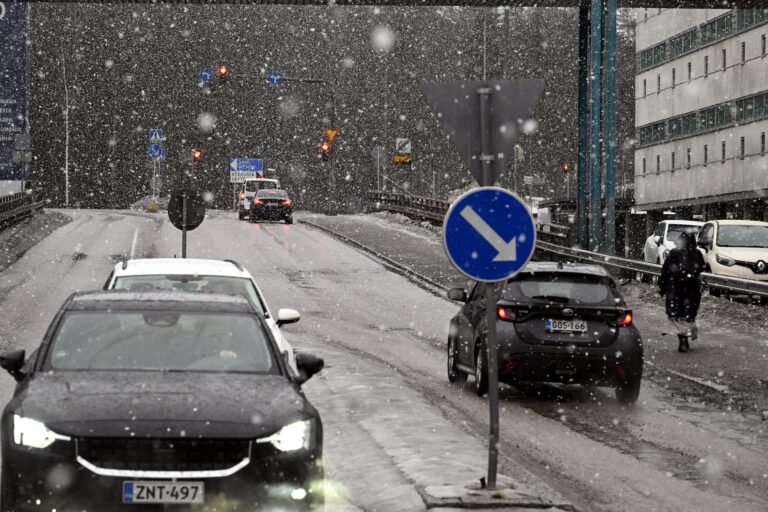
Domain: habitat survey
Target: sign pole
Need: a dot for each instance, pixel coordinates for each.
(488, 179)
(184, 224)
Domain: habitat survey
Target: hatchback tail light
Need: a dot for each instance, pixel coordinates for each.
(625, 319)
(242, 195)
(258, 201)
(287, 202)
(507, 314)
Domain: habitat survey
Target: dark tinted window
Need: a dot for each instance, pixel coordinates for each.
(162, 341)
(563, 287)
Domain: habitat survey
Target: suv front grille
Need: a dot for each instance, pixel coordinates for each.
(163, 454)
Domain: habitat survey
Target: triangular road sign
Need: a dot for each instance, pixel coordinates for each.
(330, 134)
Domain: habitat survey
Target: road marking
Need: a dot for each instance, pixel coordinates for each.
(507, 251)
(133, 244)
(706, 383)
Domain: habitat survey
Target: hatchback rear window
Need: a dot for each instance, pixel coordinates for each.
(563, 287)
(253, 186)
(275, 194)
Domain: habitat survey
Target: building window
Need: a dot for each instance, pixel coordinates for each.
(645, 89)
(690, 71)
(741, 148)
(706, 154)
(658, 84)
(725, 59)
(722, 151)
(743, 53)
(762, 143)
(673, 77)
(706, 66)
(764, 46)
(673, 161)
(688, 158)
(643, 166)
(658, 164)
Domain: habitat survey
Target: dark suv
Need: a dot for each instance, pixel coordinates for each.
(272, 205)
(555, 323)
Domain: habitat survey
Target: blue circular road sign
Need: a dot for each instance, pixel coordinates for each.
(275, 78)
(206, 75)
(489, 234)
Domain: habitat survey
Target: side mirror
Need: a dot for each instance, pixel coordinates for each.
(657, 239)
(287, 316)
(703, 244)
(457, 294)
(308, 365)
(13, 362)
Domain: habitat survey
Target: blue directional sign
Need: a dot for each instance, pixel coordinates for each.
(206, 75)
(14, 87)
(156, 135)
(275, 78)
(156, 152)
(246, 164)
(489, 234)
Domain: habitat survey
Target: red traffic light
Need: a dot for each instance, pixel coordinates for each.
(325, 147)
(222, 71)
(566, 168)
(197, 155)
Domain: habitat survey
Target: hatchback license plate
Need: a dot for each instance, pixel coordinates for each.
(163, 492)
(554, 325)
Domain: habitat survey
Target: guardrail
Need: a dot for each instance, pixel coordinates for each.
(15, 207)
(557, 240)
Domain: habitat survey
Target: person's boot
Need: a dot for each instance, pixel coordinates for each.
(683, 345)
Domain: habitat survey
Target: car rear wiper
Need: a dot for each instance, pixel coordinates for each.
(553, 298)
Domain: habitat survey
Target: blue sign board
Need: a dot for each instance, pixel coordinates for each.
(275, 78)
(489, 234)
(246, 164)
(206, 75)
(156, 152)
(156, 135)
(14, 85)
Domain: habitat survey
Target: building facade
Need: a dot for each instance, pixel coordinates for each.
(701, 113)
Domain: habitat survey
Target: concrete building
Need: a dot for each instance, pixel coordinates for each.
(701, 113)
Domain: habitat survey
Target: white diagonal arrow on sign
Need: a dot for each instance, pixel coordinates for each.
(233, 164)
(507, 251)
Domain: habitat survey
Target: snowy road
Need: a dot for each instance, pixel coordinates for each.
(388, 410)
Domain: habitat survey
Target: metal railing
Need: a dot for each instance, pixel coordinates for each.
(15, 207)
(558, 241)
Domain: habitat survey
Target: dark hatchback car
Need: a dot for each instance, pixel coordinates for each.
(144, 401)
(271, 204)
(556, 322)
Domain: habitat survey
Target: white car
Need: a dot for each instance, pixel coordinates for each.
(737, 248)
(662, 240)
(206, 276)
(249, 188)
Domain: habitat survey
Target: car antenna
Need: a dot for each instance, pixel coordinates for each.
(239, 266)
(125, 264)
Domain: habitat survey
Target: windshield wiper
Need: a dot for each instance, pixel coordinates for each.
(552, 298)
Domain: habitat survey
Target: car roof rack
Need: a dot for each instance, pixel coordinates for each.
(239, 266)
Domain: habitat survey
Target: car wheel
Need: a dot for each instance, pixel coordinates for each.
(454, 375)
(481, 371)
(289, 220)
(628, 392)
(241, 215)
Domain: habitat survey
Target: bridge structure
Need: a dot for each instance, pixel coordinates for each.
(597, 94)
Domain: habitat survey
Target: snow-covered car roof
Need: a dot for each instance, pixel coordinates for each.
(735, 222)
(683, 222)
(181, 266)
(126, 300)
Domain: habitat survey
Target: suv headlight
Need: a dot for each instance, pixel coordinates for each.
(32, 433)
(291, 437)
(725, 260)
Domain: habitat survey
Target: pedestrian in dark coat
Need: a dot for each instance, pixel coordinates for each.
(680, 284)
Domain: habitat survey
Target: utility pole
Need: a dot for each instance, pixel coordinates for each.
(66, 133)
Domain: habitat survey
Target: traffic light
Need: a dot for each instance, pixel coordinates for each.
(325, 150)
(223, 73)
(566, 168)
(197, 155)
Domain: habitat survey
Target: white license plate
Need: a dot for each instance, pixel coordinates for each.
(554, 325)
(163, 492)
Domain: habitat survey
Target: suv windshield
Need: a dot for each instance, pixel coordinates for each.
(160, 340)
(742, 236)
(675, 230)
(189, 283)
(562, 287)
(253, 186)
